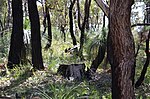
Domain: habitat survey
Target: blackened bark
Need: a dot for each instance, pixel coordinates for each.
(82, 27)
(102, 49)
(82, 39)
(44, 24)
(82, 32)
(148, 12)
(141, 79)
(71, 23)
(87, 25)
(37, 60)
(99, 58)
(77, 71)
(49, 28)
(1, 29)
(16, 43)
(62, 30)
(121, 49)
(144, 70)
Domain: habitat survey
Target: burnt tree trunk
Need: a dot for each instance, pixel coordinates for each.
(99, 58)
(49, 28)
(77, 71)
(82, 26)
(97, 61)
(87, 25)
(144, 70)
(71, 23)
(37, 60)
(1, 29)
(121, 49)
(16, 42)
(102, 49)
(148, 12)
(141, 78)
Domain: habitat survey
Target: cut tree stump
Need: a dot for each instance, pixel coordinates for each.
(77, 71)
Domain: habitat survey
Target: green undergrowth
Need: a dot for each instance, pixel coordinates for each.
(27, 84)
(47, 85)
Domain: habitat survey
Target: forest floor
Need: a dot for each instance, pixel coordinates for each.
(25, 84)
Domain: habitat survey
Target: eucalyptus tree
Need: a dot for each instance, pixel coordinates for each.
(59, 15)
(101, 50)
(37, 59)
(71, 22)
(120, 49)
(16, 43)
(47, 17)
(144, 70)
(83, 24)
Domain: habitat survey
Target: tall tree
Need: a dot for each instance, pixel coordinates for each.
(17, 34)
(144, 70)
(37, 60)
(101, 50)
(121, 48)
(82, 26)
(71, 22)
(47, 16)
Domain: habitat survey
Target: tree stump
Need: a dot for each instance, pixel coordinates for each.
(77, 71)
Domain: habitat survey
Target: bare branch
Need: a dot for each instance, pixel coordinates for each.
(103, 6)
(140, 24)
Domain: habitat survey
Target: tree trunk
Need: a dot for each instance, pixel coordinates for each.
(17, 34)
(82, 27)
(102, 49)
(141, 79)
(144, 70)
(49, 28)
(87, 25)
(148, 12)
(99, 58)
(71, 23)
(121, 49)
(1, 29)
(101, 52)
(37, 60)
